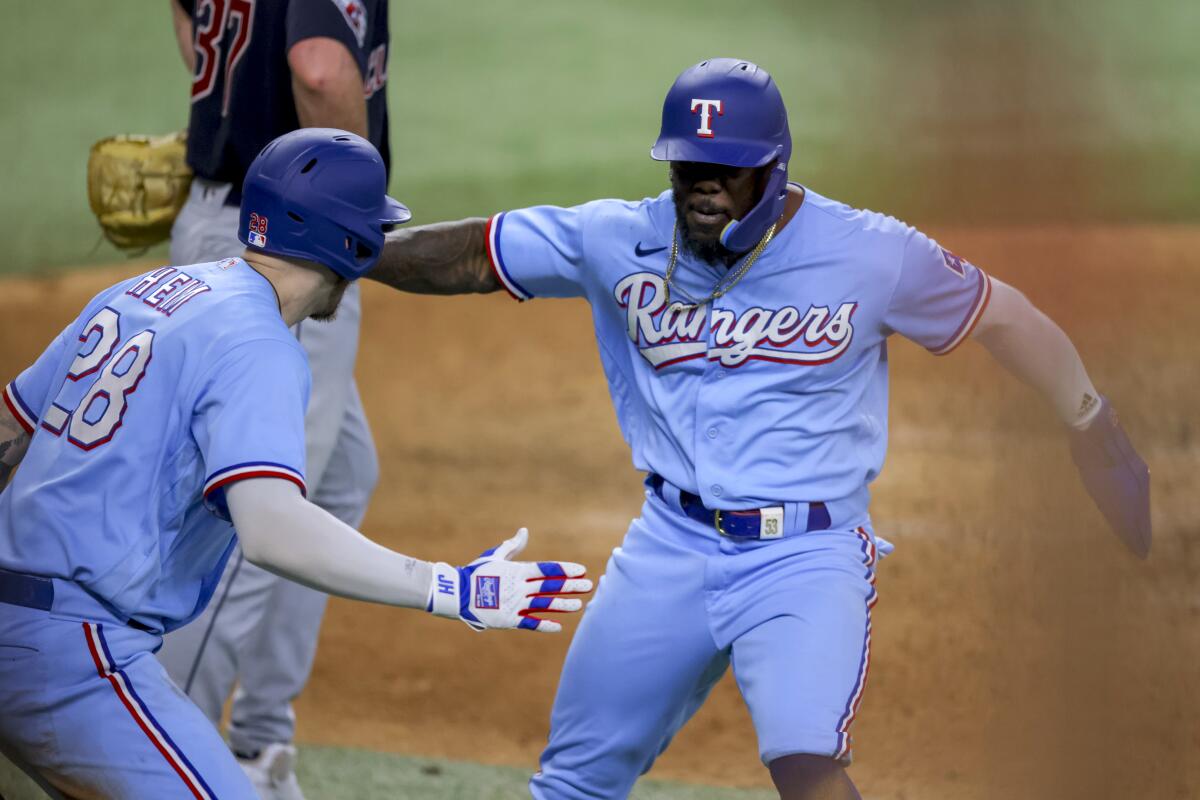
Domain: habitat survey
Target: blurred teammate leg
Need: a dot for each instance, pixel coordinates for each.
(278, 657)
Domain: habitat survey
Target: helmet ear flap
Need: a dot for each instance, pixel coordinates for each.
(741, 235)
(360, 249)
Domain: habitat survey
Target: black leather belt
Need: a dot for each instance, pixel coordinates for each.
(33, 591)
(754, 523)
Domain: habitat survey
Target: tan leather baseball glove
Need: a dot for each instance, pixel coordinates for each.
(136, 186)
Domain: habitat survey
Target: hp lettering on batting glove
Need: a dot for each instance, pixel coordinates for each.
(495, 592)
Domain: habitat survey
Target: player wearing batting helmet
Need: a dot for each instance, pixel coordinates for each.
(742, 323)
(173, 405)
(259, 70)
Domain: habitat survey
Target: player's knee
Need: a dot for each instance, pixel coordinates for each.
(802, 776)
(365, 471)
(592, 768)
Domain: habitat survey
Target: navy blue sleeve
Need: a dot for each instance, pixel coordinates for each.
(343, 20)
(189, 6)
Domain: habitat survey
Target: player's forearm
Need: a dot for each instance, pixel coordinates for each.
(327, 86)
(1032, 347)
(282, 532)
(14, 441)
(183, 35)
(442, 258)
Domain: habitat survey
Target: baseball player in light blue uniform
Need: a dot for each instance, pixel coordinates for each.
(173, 404)
(742, 324)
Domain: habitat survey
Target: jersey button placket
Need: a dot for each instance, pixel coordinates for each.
(710, 423)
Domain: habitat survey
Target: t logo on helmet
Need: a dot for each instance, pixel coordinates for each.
(706, 107)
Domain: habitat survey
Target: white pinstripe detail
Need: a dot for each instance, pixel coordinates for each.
(869, 556)
(255, 469)
(16, 404)
(118, 680)
(972, 318)
(493, 246)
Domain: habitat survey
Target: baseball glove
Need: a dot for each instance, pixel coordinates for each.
(136, 186)
(1116, 477)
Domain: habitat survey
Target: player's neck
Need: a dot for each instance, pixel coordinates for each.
(300, 288)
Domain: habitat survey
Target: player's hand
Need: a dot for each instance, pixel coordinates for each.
(496, 592)
(1116, 477)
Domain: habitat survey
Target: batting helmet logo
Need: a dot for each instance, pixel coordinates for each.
(706, 108)
(257, 234)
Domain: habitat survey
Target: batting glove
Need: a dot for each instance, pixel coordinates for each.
(1116, 477)
(495, 592)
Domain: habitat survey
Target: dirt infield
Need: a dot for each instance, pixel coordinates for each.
(1018, 652)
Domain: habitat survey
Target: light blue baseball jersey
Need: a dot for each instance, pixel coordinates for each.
(775, 392)
(166, 389)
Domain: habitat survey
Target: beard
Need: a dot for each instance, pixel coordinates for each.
(711, 252)
(329, 312)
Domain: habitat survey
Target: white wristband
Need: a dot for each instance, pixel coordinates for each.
(443, 591)
(1089, 407)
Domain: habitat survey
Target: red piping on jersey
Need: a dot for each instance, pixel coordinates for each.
(257, 474)
(986, 292)
(112, 679)
(17, 415)
(487, 246)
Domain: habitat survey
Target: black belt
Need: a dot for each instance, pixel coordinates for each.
(32, 591)
(742, 524)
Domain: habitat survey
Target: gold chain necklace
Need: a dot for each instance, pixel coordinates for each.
(722, 286)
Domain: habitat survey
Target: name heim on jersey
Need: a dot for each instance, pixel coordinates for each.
(666, 335)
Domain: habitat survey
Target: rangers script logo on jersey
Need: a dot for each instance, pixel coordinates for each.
(666, 335)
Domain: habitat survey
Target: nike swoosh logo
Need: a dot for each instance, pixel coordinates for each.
(639, 252)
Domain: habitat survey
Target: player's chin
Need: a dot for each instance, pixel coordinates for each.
(705, 229)
(329, 312)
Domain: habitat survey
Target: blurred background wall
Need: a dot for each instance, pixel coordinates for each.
(972, 111)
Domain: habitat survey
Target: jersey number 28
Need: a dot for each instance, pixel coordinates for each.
(95, 418)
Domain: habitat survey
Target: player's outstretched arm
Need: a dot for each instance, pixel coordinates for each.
(14, 441)
(1028, 343)
(442, 258)
(282, 532)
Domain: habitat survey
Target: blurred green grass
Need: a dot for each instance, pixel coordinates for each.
(936, 111)
(334, 773)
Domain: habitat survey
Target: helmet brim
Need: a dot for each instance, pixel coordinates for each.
(394, 212)
(730, 152)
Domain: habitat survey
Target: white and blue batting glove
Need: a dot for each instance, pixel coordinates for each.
(495, 592)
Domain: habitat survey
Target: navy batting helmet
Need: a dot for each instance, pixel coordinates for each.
(319, 194)
(727, 111)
